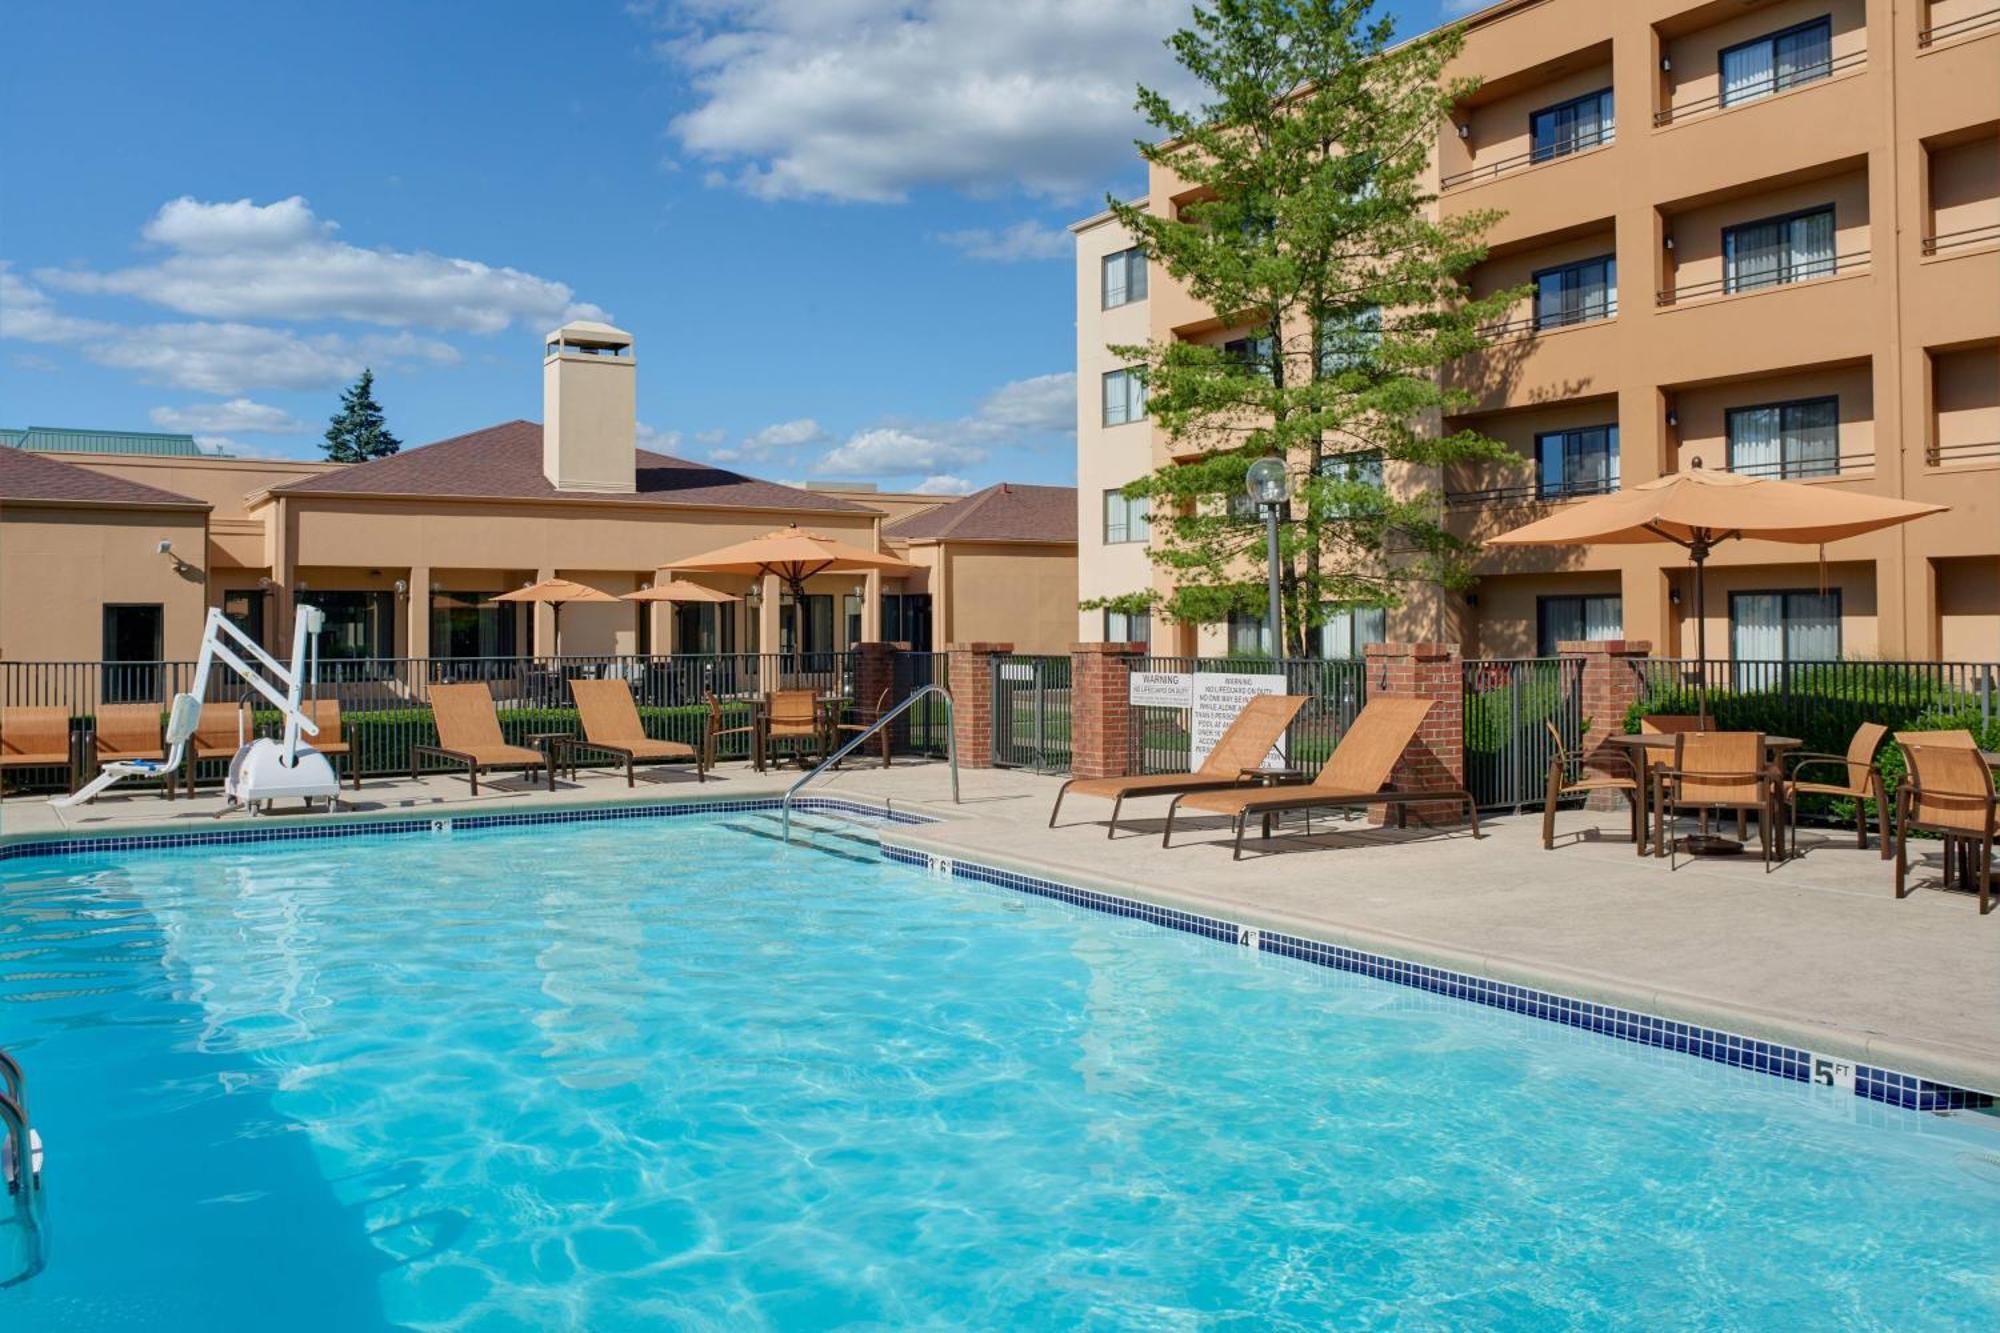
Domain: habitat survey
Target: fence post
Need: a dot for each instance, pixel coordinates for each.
(874, 678)
(1436, 756)
(971, 667)
(1100, 708)
(1611, 681)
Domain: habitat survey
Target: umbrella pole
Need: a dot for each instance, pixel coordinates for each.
(1699, 552)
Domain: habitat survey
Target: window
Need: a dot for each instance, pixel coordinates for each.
(1127, 627)
(472, 624)
(1776, 62)
(245, 610)
(704, 627)
(1784, 626)
(1350, 340)
(1124, 278)
(1257, 354)
(1348, 629)
(1576, 462)
(1576, 293)
(1125, 520)
(133, 634)
(1778, 250)
(1560, 620)
(906, 618)
(1796, 439)
(358, 624)
(851, 612)
(1362, 467)
(818, 620)
(1124, 396)
(1247, 636)
(1569, 127)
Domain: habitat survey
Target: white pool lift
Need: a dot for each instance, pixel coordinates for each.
(263, 770)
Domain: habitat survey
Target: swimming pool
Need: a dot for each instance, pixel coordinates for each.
(662, 1072)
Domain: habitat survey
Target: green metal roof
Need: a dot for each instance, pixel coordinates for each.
(65, 439)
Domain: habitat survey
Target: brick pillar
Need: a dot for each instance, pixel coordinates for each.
(971, 667)
(1100, 711)
(1436, 756)
(1611, 682)
(874, 673)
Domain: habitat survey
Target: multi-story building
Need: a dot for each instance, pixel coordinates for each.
(1761, 235)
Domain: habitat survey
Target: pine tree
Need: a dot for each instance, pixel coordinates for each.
(356, 432)
(1309, 226)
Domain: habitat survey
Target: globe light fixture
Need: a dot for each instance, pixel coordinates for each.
(1269, 484)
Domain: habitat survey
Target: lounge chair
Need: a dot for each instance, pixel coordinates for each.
(218, 735)
(37, 738)
(611, 724)
(122, 733)
(469, 733)
(1243, 747)
(1861, 782)
(1353, 775)
(325, 714)
(1949, 792)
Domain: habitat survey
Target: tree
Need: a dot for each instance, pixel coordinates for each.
(1309, 228)
(356, 432)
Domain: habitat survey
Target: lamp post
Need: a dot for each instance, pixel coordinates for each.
(1269, 486)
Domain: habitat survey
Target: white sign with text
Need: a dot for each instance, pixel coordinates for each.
(1160, 689)
(1218, 697)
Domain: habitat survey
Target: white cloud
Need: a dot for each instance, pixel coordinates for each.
(27, 314)
(1023, 240)
(782, 437)
(870, 99)
(1458, 8)
(943, 485)
(711, 437)
(242, 260)
(1041, 404)
(238, 414)
(890, 451)
(659, 441)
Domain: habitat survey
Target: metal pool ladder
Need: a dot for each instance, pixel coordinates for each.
(950, 746)
(20, 1167)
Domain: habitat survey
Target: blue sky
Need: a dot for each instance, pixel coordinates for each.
(833, 226)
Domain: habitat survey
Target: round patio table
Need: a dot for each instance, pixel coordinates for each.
(1775, 747)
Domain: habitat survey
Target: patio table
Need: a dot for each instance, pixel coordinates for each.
(1774, 748)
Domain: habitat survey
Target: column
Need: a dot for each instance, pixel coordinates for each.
(871, 607)
(417, 633)
(543, 618)
(1435, 756)
(770, 614)
(972, 700)
(1100, 708)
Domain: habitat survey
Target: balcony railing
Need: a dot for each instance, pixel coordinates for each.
(1527, 492)
(1541, 321)
(1758, 91)
(1969, 451)
(1806, 469)
(1953, 240)
(1985, 18)
(1790, 275)
(1486, 171)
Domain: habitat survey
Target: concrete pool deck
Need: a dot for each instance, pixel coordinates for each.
(1817, 953)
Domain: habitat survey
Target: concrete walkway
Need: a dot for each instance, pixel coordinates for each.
(1817, 953)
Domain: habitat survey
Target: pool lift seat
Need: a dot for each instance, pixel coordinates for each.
(262, 770)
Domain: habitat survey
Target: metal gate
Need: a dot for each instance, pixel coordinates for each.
(1031, 713)
(1509, 706)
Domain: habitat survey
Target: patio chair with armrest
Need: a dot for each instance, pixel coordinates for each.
(1574, 774)
(1949, 792)
(860, 725)
(469, 733)
(1242, 748)
(37, 738)
(611, 724)
(219, 734)
(1715, 771)
(127, 733)
(790, 716)
(1861, 782)
(716, 731)
(1357, 773)
(330, 742)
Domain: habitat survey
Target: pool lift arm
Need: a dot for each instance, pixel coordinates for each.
(262, 770)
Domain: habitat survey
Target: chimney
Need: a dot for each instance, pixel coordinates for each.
(588, 411)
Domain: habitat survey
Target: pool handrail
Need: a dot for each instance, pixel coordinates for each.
(950, 744)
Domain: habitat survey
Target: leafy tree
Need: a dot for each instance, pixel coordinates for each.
(1308, 226)
(356, 432)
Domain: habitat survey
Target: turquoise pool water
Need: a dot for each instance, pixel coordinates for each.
(661, 1074)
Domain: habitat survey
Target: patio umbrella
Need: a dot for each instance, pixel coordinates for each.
(1698, 510)
(794, 555)
(557, 593)
(680, 592)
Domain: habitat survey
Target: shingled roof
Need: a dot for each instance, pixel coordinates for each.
(1008, 512)
(27, 476)
(505, 462)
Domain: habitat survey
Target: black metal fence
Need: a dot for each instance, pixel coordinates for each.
(1161, 736)
(1031, 712)
(1510, 705)
(1808, 698)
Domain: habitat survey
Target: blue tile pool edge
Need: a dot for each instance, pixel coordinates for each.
(1791, 1063)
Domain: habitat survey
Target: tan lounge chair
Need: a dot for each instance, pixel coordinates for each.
(611, 724)
(325, 714)
(216, 736)
(1354, 774)
(1243, 746)
(124, 732)
(36, 738)
(469, 733)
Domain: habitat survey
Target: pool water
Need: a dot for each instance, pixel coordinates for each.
(663, 1074)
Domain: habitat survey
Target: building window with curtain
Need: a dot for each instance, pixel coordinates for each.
(1787, 626)
(1348, 629)
(1576, 293)
(1592, 618)
(1248, 636)
(1124, 396)
(1349, 340)
(705, 628)
(358, 624)
(1572, 126)
(1124, 278)
(1127, 627)
(1777, 61)
(1789, 440)
(1583, 461)
(1126, 519)
(1775, 251)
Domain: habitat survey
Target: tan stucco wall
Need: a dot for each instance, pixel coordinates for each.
(1968, 593)
(60, 566)
(1703, 412)
(1004, 592)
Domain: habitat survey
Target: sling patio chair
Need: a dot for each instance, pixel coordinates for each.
(1715, 771)
(611, 724)
(1861, 782)
(843, 730)
(1242, 749)
(37, 738)
(1355, 774)
(790, 716)
(1948, 792)
(1573, 774)
(330, 742)
(469, 733)
(219, 734)
(716, 730)
(125, 733)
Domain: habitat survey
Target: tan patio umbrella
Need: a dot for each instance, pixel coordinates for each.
(557, 593)
(794, 555)
(1698, 510)
(680, 592)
